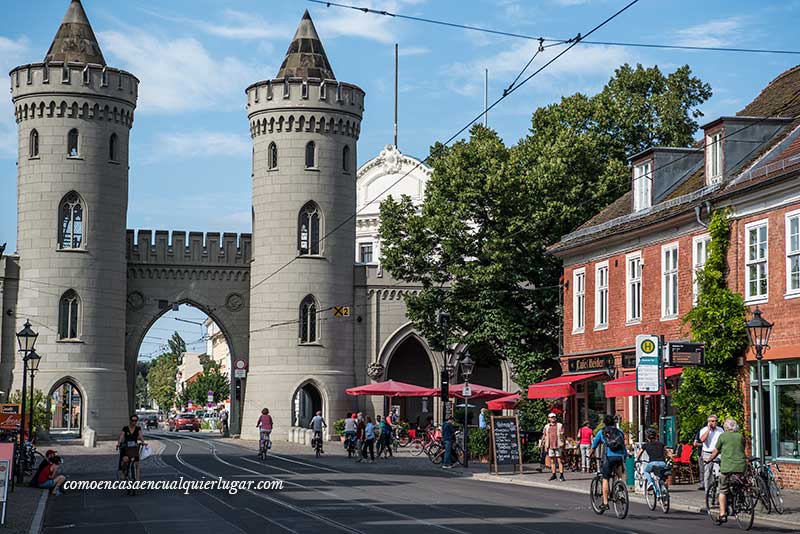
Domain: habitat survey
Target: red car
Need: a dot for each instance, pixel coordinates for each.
(185, 421)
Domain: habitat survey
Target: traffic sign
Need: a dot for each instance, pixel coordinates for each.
(686, 354)
(341, 311)
(210, 396)
(466, 391)
(240, 373)
(240, 364)
(648, 376)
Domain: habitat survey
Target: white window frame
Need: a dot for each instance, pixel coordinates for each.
(750, 297)
(670, 295)
(714, 169)
(578, 300)
(791, 254)
(698, 263)
(642, 186)
(601, 295)
(632, 282)
(360, 258)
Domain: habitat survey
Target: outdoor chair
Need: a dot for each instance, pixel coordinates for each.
(683, 469)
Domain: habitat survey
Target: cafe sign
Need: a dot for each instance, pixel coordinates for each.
(592, 363)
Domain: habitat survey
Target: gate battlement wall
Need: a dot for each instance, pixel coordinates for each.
(173, 248)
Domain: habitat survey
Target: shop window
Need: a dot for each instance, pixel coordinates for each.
(628, 360)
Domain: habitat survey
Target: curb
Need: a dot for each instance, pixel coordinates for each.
(38, 516)
(759, 520)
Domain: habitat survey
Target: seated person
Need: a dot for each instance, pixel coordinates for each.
(46, 461)
(49, 477)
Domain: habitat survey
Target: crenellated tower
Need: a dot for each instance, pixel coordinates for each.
(305, 126)
(75, 114)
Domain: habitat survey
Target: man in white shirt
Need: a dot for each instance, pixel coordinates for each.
(709, 435)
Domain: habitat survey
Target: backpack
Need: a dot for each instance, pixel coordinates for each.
(614, 440)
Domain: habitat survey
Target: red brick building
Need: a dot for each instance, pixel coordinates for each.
(631, 269)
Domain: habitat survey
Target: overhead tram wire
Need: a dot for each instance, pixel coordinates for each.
(505, 95)
(555, 42)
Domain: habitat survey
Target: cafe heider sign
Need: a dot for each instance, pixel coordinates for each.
(648, 364)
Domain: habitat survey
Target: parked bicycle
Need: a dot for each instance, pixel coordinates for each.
(742, 500)
(617, 495)
(768, 486)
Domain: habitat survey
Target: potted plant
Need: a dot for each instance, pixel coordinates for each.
(479, 444)
(338, 429)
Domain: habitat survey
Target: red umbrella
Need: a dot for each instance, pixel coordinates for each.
(504, 403)
(478, 391)
(390, 388)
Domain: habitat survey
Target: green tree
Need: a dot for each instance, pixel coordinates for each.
(212, 379)
(142, 393)
(177, 346)
(718, 320)
(161, 380)
(478, 246)
(41, 419)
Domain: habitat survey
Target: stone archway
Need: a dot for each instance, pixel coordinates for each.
(306, 401)
(66, 406)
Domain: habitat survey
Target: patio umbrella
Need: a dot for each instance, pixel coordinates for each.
(391, 388)
(504, 403)
(478, 391)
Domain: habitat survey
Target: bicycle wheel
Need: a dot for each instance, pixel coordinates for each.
(435, 450)
(762, 492)
(650, 496)
(596, 495)
(712, 499)
(775, 495)
(416, 447)
(744, 506)
(664, 500)
(620, 496)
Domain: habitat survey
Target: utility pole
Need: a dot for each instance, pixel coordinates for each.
(396, 62)
(486, 98)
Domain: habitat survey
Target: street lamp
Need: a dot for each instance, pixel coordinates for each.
(467, 365)
(443, 318)
(758, 332)
(26, 339)
(33, 360)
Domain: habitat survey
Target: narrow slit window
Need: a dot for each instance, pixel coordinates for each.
(69, 316)
(72, 143)
(309, 230)
(272, 156)
(346, 158)
(311, 154)
(308, 320)
(71, 215)
(34, 144)
(113, 148)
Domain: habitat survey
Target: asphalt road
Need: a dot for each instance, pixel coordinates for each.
(334, 495)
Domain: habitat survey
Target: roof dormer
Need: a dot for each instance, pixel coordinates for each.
(657, 171)
(642, 184)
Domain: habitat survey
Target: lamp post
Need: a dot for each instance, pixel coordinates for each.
(33, 361)
(758, 332)
(467, 365)
(443, 319)
(26, 339)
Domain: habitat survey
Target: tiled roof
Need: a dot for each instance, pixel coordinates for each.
(75, 40)
(306, 57)
(781, 98)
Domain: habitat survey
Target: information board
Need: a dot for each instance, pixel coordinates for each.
(506, 446)
(10, 417)
(5, 477)
(648, 366)
(686, 354)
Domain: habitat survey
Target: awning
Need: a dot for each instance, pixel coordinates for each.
(504, 403)
(625, 386)
(560, 386)
(478, 392)
(391, 388)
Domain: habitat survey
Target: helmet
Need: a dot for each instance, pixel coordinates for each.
(651, 433)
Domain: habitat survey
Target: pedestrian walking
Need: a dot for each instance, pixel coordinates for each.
(360, 436)
(553, 442)
(585, 436)
(369, 440)
(709, 435)
(483, 418)
(448, 436)
(386, 437)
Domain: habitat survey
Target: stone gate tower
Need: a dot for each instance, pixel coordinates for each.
(74, 115)
(304, 125)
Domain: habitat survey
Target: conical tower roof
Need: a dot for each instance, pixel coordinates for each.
(75, 40)
(306, 58)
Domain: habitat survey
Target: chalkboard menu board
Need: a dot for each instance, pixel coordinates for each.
(506, 448)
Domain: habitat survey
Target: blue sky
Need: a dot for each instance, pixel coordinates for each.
(190, 150)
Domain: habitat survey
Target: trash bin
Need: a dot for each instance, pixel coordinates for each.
(630, 470)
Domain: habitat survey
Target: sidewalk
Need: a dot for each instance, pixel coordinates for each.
(685, 497)
(25, 506)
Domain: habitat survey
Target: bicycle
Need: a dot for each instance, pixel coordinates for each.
(419, 445)
(456, 453)
(264, 445)
(657, 493)
(768, 486)
(317, 444)
(130, 473)
(753, 473)
(350, 445)
(617, 494)
(711, 496)
(741, 502)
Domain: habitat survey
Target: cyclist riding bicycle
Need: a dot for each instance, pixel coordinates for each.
(264, 426)
(318, 423)
(615, 452)
(128, 442)
(730, 449)
(656, 458)
(350, 427)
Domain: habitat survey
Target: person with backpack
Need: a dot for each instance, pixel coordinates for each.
(613, 440)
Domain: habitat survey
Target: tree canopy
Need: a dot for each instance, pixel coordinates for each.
(478, 244)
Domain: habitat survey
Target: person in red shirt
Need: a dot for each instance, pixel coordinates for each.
(585, 436)
(49, 477)
(264, 426)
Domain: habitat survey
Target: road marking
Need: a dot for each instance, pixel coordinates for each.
(272, 521)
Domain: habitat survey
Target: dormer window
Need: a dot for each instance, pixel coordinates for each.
(714, 158)
(642, 186)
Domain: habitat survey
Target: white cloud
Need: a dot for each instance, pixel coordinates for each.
(193, 145)
(12, 53)
(180, 74)
(720, 32)
(338, 22)
(233, 24)
(413, 51)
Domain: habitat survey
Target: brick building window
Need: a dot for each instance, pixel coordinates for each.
(756, 256)
(308, 320)
(601, 295)
(71, 216)
(699, 256)
(793, 253)
(642, 186)
(578, 300)
(669, 281)
(633, 290)
(714, 157)
(69, 312)
(308, 228)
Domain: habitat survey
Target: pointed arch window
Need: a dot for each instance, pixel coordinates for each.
(71, 217)
(69, 315)
(311, 155)
(308, 230)
(72, 143)
(272, 156)
(308, 320)
(346, 158)
(34, 144)
(113, 148)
